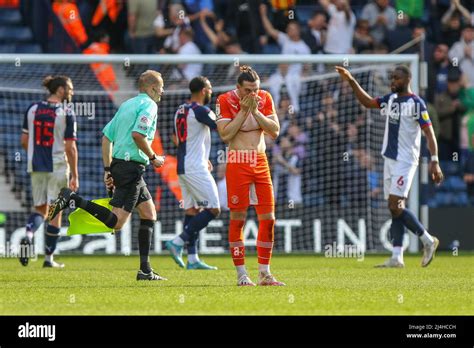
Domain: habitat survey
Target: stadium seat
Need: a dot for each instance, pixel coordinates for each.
(28, 48)
(7, 48)
(10, 17)
(15, 34)
(450, 168)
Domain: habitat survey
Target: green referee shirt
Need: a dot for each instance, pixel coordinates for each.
(137, 114)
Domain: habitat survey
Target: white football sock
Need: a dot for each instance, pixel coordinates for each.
(264, 268)
(29, 234)
(426, 238)
(397, 253)
(178, 241)
(193, 258)
(49, 258)
(241, 271)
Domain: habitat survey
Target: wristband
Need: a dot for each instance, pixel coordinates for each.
(107, 169)
(434, 158)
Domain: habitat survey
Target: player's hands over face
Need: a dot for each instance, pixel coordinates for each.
(74, 183)
(246, 103)
(158, 161)
(436, 173)
(344, 73)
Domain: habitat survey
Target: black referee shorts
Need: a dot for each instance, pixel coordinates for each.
(130, 188)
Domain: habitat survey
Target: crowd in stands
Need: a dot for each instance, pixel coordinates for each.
(440, 31)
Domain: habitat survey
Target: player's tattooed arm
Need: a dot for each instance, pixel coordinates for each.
(363, 97)
(269, 124)
(435, 170)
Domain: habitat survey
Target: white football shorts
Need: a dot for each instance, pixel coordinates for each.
(398, 177)
(199, 190)
(45, 186)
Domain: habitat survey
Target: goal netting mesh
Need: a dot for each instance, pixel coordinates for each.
(326, 164)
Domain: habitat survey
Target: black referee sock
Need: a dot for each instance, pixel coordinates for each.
(99, 212)
(144, 242)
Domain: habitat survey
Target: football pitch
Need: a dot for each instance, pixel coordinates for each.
(316, 285)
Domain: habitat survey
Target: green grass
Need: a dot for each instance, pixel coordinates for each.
(106, 285)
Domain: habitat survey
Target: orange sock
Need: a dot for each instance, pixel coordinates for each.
(265, 241)
(236, 242)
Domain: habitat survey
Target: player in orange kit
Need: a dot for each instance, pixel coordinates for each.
(243, 116)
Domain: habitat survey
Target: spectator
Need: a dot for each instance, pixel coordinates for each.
(423, 48)
(299, 139)
(450, 110)
(284, 113)
(247, 24)
(438, 68)
(283, 13)
(452, 22)
(218, 38)
(167, 30)
(292, 81)
(315, 34)
(363, 42)
(187, 46)
(141, 15)
(225, 73)
(462, 53)
(329, 146)
(290, 43)
(287, 174)
(195, 8)
(340, 28)
(381, 17)
(400, 35)
(373, 176)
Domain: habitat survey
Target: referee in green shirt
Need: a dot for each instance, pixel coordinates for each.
(125, 152)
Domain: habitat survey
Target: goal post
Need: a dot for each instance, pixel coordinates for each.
(331, 196)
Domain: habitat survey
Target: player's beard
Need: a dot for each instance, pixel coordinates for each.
(207, 99)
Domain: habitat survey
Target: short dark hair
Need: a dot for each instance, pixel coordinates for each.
(247, 74)
(52, 83)
(197, 84)
(404, 69)
(320, 13)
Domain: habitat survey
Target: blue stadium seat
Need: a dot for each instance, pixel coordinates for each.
(28, 48)
(450, 168)
(456, 183)
(7, 48)
(10, 17)
(15, 34)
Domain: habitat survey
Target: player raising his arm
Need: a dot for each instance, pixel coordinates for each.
(49, 137)
(406, 114)
(192, 125)
(125, 152)
(243, 116)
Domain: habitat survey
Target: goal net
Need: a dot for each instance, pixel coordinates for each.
(326, 164)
